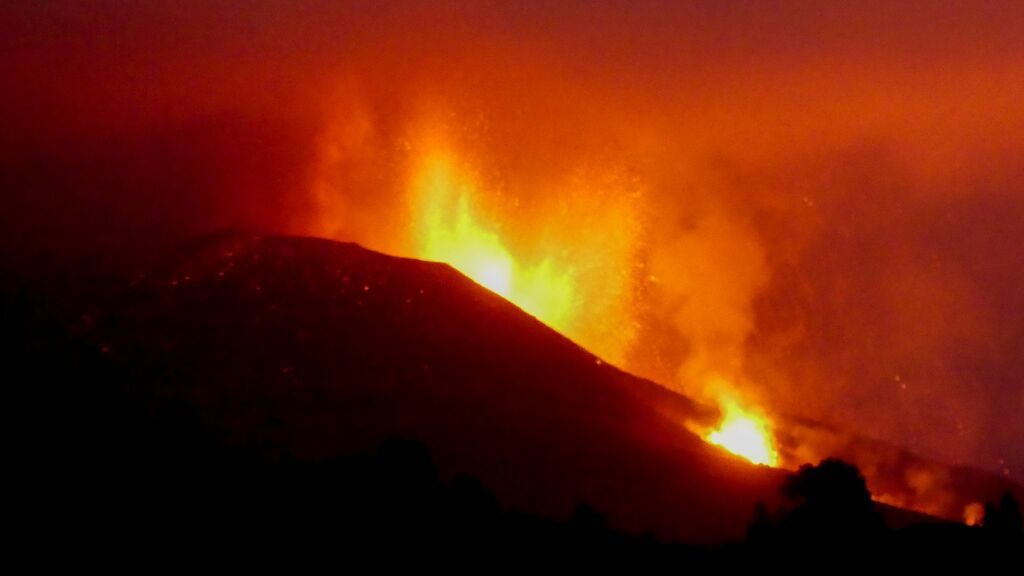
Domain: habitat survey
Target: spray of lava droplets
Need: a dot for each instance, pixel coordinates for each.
(451, 233)
(448, 229)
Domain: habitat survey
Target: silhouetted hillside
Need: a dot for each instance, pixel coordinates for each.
(318, 349)
(256, 353)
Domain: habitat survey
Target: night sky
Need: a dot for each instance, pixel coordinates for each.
(823, 200)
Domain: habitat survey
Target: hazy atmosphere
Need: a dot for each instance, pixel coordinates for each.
(815, 207)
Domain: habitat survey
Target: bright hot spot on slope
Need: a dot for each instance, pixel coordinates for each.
(745, 434)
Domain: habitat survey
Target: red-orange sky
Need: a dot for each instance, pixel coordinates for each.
(827, 197)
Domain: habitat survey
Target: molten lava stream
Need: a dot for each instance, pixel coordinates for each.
(745, 434)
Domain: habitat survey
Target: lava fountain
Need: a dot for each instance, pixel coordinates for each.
(451, 232)
(449, 228)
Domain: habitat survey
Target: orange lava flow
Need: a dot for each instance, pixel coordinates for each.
(745, 434)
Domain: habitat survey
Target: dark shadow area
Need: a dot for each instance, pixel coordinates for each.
(113, 469)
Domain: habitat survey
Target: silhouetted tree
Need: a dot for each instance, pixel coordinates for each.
(1004, 518)
(827, 513)
(760, 529)
(830, 500)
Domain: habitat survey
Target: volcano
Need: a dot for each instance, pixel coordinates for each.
(311, 349)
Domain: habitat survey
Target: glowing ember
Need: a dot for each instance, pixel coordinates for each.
(450, 232)
(974, 514)
(745, 434)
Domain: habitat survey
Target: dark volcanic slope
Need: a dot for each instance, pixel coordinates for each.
(319, 349)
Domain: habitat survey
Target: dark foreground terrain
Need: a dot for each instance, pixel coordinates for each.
(247, 397)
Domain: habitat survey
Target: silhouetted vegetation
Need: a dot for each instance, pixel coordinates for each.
(827, 517)
(827, 512)
(1003, 519)
(830, 504)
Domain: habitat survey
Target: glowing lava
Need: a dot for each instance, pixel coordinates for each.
(974, 514)
(745, 434)
(450, 231)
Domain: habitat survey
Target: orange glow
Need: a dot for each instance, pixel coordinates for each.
(451, 232)
(974, 514)
(563, 250)
(746, 434)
